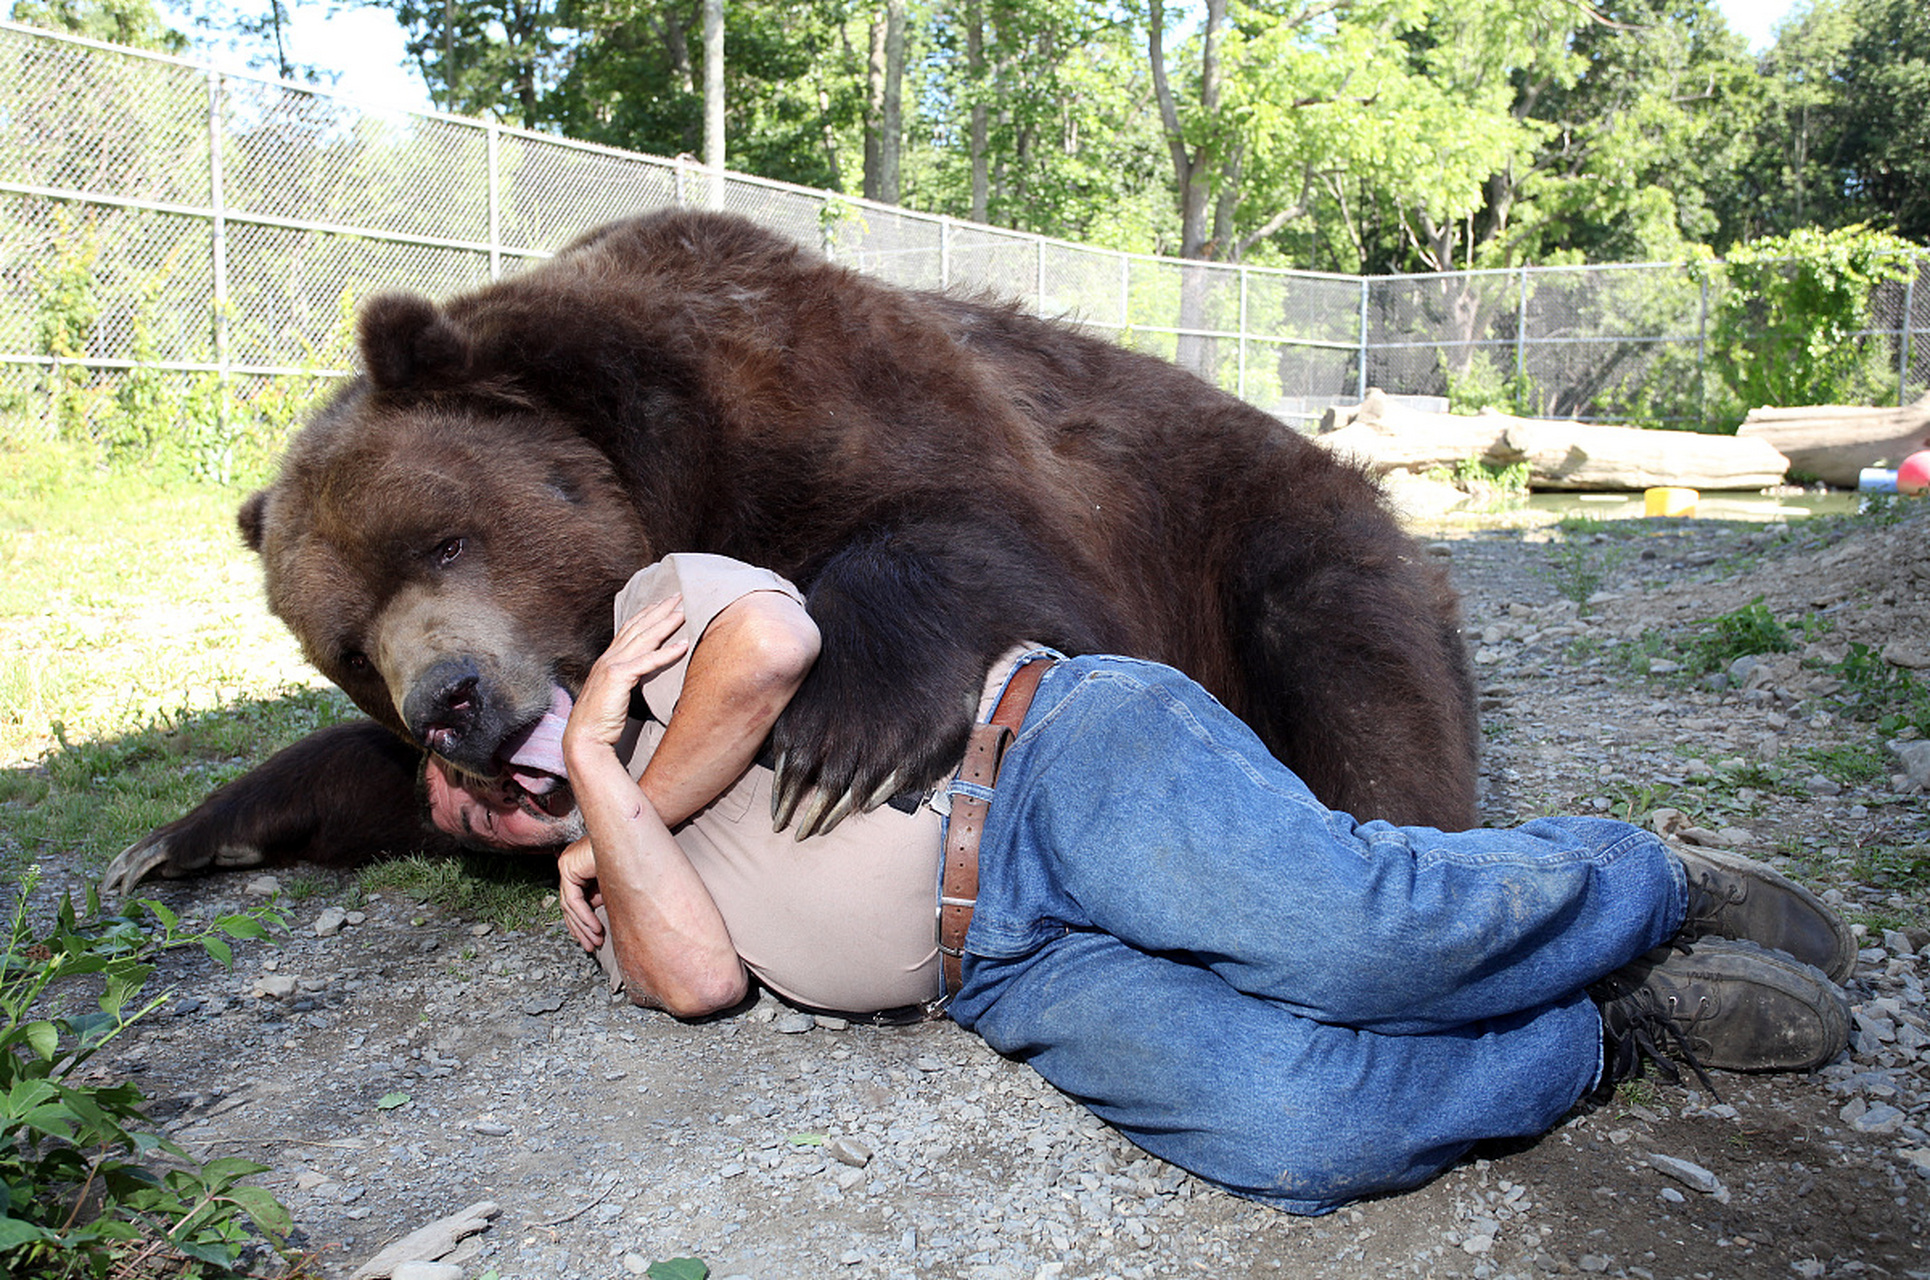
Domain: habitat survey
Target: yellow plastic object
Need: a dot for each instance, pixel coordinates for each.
(1669, 502)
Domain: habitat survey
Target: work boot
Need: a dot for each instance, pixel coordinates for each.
(1734, 897)
(1732, 1006)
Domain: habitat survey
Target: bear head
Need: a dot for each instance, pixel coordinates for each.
(447, 552)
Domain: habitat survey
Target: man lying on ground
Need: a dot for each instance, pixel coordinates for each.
(1152, 911)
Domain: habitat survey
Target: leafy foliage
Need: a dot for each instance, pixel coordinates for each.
(1889, 696)
(1788, 312)
(1720, 640)
(87, 1181)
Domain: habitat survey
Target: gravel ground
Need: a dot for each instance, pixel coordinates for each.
(772, 1144)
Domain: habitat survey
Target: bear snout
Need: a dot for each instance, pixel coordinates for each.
(447, 709)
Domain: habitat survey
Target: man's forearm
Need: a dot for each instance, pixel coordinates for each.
(672, 945)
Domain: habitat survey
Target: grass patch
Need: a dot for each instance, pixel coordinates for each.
(140, 669)
(94, 796)
(510, 891)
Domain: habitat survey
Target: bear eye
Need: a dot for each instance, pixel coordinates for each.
(356, 662)
(448, 552)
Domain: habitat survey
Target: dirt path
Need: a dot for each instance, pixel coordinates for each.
(772, 1145)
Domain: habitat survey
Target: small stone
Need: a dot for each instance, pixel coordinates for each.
(827, 1022)
(482, 930)
(1593, 1263)
(330, 922)
(1915, 759)
(354, 918)
(1819, 785)
(426, 1271)
(732, 1170)
(1663, 667)
(309, 1179)
(1880, 1118)
(537, 1005)
(275, 986)
(1690, 1175)
(795, 1023)
(491, 1128)
(848, 1151)
(636, 1264)
(262, 887)
(1672, 1196)
(928, 1064)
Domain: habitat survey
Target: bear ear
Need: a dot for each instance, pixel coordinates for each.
(408, 341)
(249, 518)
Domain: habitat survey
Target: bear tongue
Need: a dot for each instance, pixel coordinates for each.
(536, 760)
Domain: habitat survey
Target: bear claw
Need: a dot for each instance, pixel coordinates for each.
(133, 865)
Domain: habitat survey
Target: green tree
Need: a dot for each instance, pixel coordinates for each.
(136, 23)
(494, 58)
(1792, 176)
(1885, 113)
(1635, 160)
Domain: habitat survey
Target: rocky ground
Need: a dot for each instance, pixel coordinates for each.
(403, 1063)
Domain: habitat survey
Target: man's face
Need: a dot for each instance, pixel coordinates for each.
(486, 817)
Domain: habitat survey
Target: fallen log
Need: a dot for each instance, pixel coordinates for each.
(1560, 454)
(1832, 443)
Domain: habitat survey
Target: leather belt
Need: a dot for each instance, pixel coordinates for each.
(958, 888)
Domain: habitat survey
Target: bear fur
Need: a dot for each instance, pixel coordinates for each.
(942, 476)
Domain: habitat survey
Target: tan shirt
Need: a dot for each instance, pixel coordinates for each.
(840, 921)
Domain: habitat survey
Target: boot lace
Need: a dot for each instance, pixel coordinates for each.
(1642, 1026)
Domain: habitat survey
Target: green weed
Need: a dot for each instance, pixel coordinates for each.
(1716, 642)
(90, 1187)
(1873, 690)
(1577, 569)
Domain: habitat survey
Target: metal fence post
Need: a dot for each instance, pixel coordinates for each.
(1702, 355)
(1903, 334)
(1360, 377)
(1243, 296)
(218, 206)
(495, 134)
(1038, 272)
(1521, 338)
(944, 251)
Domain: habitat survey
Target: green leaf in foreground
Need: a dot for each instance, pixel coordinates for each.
(678, 1269)
(390, 1101)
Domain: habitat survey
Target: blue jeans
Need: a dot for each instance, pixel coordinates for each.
(1302, 1008)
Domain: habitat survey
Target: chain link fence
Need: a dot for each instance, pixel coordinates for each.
(178, 237)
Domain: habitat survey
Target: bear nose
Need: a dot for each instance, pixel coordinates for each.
(443, 705)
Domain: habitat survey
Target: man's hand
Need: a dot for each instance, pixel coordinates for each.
(576, 871)
(643, 646)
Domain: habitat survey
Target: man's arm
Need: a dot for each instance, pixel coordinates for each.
(672, 949)
(747, 664)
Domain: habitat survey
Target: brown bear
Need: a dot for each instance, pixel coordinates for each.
(942, 476)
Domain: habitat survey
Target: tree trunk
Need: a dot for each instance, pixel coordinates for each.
(714, 99)
(874, 112)
(1193, 174)
(1832, 443)
(978, 132)
(884, 119)
(1560, 455)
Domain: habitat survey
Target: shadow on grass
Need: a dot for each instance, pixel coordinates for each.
(88, 799)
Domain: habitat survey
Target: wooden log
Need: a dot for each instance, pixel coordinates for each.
(1560, 454)
(1832, 443)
